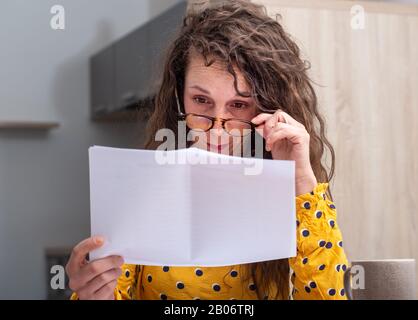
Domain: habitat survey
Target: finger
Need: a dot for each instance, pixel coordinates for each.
(262, 117)
(95, 268)
(264, 132)
(111, 295)
(283, 117)
(80, 251)
(104, 278)
(92, 270)
(290, 120)
(106, 292)
(273, 137)
(268, 122)
(286, 131)
(99, 281)
(271, 123)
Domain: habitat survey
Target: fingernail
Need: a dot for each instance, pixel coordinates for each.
(98, 240)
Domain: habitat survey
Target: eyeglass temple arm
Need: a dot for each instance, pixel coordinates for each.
(178, 102)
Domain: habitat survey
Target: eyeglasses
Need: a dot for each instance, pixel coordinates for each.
(203, 123)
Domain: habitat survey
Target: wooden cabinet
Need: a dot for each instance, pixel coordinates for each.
(102, 82)
(126, 74)
(132, 67)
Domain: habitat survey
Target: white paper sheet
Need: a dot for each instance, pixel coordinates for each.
(188, 213)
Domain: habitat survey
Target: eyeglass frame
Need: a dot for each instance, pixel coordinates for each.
(183, 116)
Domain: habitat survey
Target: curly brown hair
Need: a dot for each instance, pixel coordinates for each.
(240, 33)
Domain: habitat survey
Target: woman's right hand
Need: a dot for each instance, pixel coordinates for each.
(94, 280)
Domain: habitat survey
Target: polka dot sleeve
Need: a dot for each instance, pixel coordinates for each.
(318, 268)
(127, 283)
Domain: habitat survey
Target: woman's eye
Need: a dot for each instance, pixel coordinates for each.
(239, 105)
(200, 100)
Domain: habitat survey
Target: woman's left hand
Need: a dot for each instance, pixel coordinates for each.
(288, 139)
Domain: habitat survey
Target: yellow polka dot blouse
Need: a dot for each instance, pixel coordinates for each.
(317, 270)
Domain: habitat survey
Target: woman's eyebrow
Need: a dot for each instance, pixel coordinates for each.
(208, 92)
(200, 89)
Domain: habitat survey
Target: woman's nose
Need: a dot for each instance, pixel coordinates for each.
(217, 128)
(217, 124)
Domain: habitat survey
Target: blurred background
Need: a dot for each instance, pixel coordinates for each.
(92, 83)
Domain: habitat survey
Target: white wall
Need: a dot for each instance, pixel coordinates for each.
(44, 75)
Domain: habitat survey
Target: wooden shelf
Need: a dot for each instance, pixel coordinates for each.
(28, 125)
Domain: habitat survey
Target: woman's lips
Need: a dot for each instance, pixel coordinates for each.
(217, 147)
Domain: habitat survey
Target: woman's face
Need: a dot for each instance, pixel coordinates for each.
(210, 91)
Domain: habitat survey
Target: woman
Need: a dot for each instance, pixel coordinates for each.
(234, 63)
